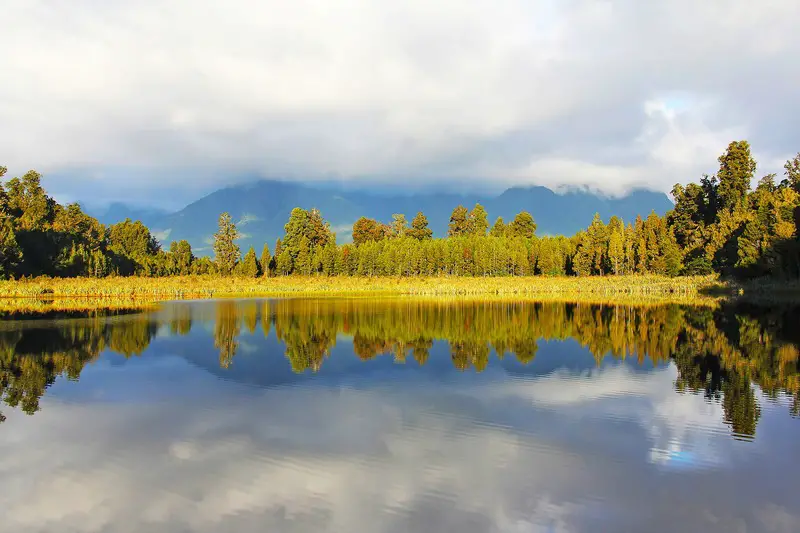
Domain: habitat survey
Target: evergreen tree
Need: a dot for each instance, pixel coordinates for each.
(226, 251)
(266, 261)
(792, 174)
(673, 258)
(550, 261)
(317, 229)
(459, 223)
(249, 265)
(630, 249)
(303, 261)
(134, 246)
(616, 245)
(478, 223)
(204, 265)
(689, 215)
(329, 259)
(736, 169)
(10, 252)
(596, 245)
(296, 229)
(582, 262)
(399, 225)
(284, 263)
(317, 259)
(182, 254)
(368, 230)
(29, 203)
(499, 228)
(419, 228)
(278, 250)
(639, 246)
(523, 226)
(710, 187)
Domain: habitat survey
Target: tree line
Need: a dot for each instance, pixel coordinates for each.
(718, 225)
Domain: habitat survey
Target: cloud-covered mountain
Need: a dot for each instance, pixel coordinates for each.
(613, 95)
(261, 209)
(118, 211)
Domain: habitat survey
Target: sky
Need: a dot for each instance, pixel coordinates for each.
(157, 102)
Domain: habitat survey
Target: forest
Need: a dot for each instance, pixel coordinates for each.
(721, 225)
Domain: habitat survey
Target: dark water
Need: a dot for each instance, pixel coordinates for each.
(402, 416)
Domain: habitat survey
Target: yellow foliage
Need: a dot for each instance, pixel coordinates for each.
(187, 287)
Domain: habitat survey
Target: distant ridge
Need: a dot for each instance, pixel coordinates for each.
(260, 210)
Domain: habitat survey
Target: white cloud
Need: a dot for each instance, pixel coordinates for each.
(187, 95)
(455, 455)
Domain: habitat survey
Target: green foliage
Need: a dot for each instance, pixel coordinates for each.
(399, 225)
(284, 263)
(295, 229)
(688, 218)
(459, 222)
(523, 226)
(302, 262)
(369, 230)
(792, 174)
(499, 228)
(226, 251)
(249, 267)
(204, 265)
(736, 170)
(720, 225)
(10, 252)
(616, 246)
(305, 231)
(134, 246)
(698, 266)
(419, 228)
(266, 261)
(182, 257)
(717, 225)
(28, 202)
(478, 223)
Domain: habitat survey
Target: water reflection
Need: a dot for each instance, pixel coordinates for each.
(719, 352)
(402, 415)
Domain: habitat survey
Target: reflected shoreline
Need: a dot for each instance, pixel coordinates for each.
(721, 352)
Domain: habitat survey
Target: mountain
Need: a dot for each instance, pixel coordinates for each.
(261, 209)
(118, 212)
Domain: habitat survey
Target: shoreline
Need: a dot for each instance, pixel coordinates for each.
(193, 287)
(624, 288)
(42, 296)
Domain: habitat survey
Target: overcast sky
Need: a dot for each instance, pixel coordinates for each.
(168, 99)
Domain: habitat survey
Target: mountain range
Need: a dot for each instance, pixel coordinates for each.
(260, 210)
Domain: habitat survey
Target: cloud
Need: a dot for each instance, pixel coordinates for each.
(344, 233)
(185, 96)
(163, 235)
(475, 455)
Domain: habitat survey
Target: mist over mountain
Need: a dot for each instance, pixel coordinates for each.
(117, 212)
(261, 209)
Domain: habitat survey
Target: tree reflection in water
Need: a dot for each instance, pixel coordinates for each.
(718, 352)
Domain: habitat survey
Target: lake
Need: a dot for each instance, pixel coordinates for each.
(402, 415)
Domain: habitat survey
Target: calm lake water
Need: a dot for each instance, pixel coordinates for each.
(355, 415)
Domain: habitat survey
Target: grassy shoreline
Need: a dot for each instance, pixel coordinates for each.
(193, 287)
(42, 296)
